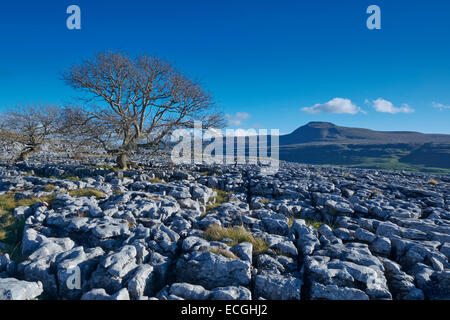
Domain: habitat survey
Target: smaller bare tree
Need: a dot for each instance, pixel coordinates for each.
(31, 126)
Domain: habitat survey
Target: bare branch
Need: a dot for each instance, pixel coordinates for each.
(138, 100)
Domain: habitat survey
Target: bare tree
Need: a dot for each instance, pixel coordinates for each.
(136, 103)
(31, 126)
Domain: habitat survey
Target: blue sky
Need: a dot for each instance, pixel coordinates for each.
(271, 64)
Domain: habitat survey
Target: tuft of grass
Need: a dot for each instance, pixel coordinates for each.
(50, 187)
(156, 180)
(291, 221)
(313, 223)
(433, 182)
(221, 198)
(87, 193)
(223, 252)
(265, 201)
(8, 202)
(11, 231)
(237, 235)
(72, 178)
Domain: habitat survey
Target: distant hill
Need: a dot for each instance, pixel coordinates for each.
(327, 143)
(326, 132)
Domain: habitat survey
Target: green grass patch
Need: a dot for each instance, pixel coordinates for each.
(237, 235)
(393, 163)
(310, 222)
(11, 229)
(291, 221)
(8, 202)
(87, 193)
(221, 198)
(313, 223)
(50, 187)
(72, 178)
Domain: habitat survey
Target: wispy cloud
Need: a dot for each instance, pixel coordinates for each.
(440, 106)
(337, 105)
(385, 106)
(237, 119)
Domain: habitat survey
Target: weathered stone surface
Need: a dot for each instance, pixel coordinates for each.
(381, 246)
(244, 251)
(189, 291)
(141, 282)
(4, 261)
(120, 263)
(13, 289)
(212, 270)
(344, 233)
(100, 294)
(364, 235)
(230, 293)
(74, 268)
(277, 287)
(109, 228)
(306, 237)
(333, 292)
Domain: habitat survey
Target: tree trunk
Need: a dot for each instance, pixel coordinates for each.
(122, 161)
(25, 154)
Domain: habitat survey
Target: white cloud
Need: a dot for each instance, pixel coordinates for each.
(385, 106)
(440, 106)
(337, 105)
(244, 132)
(237, 119)
(251, 132)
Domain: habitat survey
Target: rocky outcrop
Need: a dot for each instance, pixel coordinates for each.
(310, 233)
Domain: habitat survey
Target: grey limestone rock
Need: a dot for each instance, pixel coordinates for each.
(13, 289)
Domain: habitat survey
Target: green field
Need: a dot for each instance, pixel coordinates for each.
(393, 163)
(384, 157)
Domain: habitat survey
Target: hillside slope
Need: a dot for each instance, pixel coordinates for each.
(326, 143)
